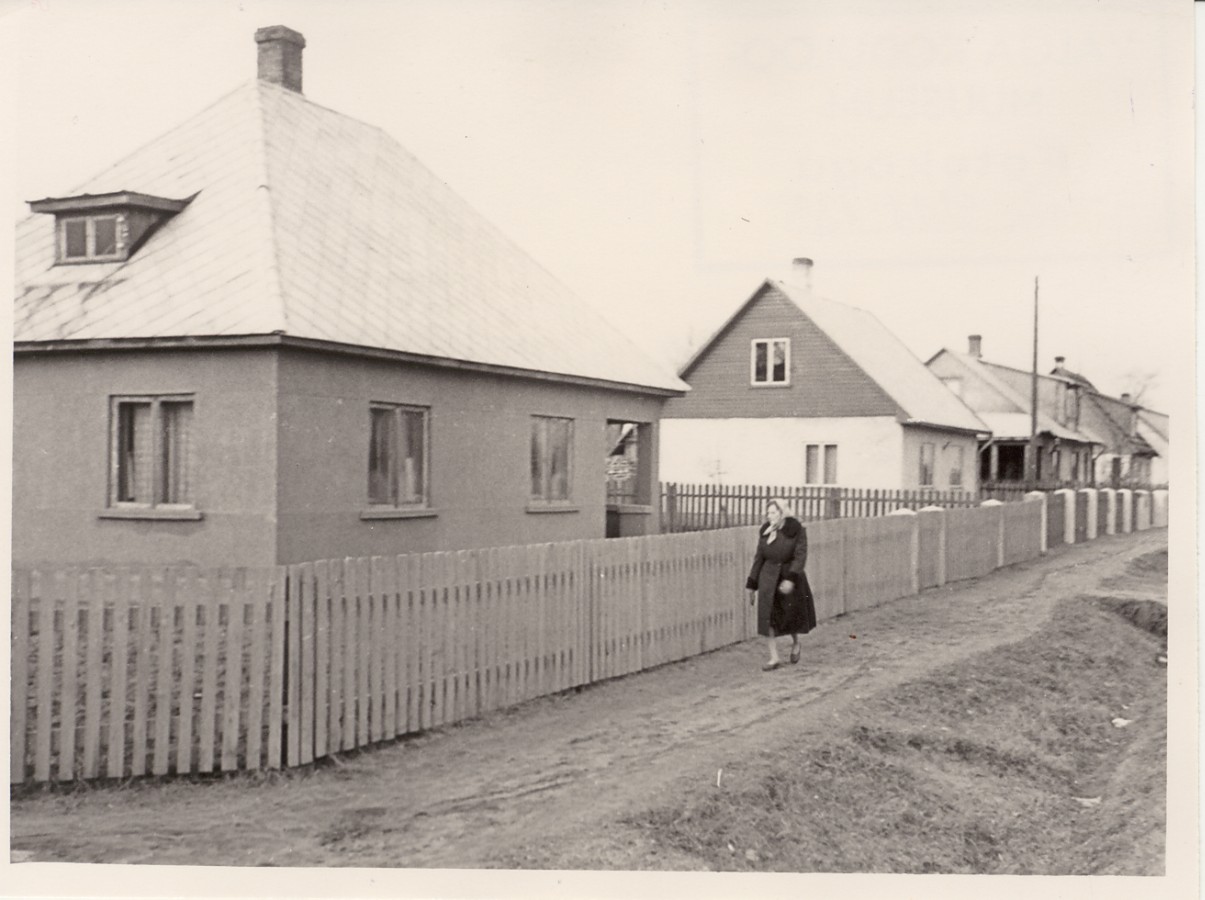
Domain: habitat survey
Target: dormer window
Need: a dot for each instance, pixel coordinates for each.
(92, 238)
(98, 228)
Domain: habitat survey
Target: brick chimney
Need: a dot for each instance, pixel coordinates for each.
(280, 56)
(975, 345)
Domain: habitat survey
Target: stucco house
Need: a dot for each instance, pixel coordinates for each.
(1001, 396)
(796, 389)
(272, 335)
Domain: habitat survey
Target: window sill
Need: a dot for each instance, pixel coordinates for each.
(631, 509)
(389, 512)
(155, 513)
(551, 508)
(769, 384)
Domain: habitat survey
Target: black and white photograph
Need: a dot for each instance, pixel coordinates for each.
(529, 448)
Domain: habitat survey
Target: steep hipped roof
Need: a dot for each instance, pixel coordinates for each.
(312, 224)
(920, 395)
(1012, 425)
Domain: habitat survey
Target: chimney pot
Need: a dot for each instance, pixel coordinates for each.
(975, 345)
(280, 56)
(1059, 360)
(1125, 398)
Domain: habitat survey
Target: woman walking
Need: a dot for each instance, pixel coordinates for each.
(783, 595)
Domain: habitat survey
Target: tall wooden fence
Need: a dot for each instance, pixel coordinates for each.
(152, 671)
(698, 507)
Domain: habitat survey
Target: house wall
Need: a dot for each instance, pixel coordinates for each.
(479, 457)
(769, 451)
(944, 452)
(824, 382)
(1159, 465)
(61, 457)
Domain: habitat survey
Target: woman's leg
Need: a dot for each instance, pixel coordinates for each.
(795, 648)
(772, 646)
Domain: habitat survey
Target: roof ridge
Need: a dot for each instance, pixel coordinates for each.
(263, 192)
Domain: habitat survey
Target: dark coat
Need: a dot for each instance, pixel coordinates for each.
(774, 563)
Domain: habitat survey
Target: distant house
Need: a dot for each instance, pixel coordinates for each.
(796, 389)
(1085, 437)
(272, 335)
(1125, 457)
(1154, 428)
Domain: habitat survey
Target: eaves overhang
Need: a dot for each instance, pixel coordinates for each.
(281, 340)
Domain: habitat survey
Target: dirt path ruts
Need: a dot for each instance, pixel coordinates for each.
(467, 795)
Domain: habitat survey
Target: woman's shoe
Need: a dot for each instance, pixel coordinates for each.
(794, 655)
(771, 666)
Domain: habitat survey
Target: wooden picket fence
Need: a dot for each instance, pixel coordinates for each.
(122, 672)
(699, 507)
(130, 671)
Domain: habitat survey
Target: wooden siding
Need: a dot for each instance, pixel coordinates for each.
(824, 381)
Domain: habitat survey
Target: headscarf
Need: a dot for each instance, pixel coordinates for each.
(772, 530)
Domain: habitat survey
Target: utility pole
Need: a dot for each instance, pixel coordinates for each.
(1031, 458)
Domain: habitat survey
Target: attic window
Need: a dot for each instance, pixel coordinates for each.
(93, 228)
(770, 361)
(92, 238)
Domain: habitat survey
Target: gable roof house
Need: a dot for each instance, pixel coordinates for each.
(1074, 428)
(1125, 457)
(272, 335)
(798, 389)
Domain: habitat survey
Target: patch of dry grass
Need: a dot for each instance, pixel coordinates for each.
(976, 769)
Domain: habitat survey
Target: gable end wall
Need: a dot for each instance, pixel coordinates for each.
(823, 380)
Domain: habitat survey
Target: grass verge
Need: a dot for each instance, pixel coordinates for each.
(1007, 764)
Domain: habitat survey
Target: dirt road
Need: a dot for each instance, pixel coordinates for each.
(573, 765)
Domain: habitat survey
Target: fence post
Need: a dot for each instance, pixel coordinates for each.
(1068, 496)
(1125, 497)
(1159, 509)
(996, 504)
(670, 493)
(913, 546)
(1142, 510)
(1107, 511)
(1044, 540)
(942, 519)
(833, 503)
(1091, 530)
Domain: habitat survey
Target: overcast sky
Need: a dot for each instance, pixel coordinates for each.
(662, 158)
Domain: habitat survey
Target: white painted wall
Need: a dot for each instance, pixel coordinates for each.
(771, 451)
(944, 444)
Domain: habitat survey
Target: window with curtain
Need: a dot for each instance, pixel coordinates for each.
(820, 464)
(926, 464)
(151, 451)
(770, 361)
(956, 467)
(397, 455)
(551, 458)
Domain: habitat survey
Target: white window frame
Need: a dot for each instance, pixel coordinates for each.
(90, 254)
(156, 402)
(769, 344)
(397, 409)
(821, 463)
